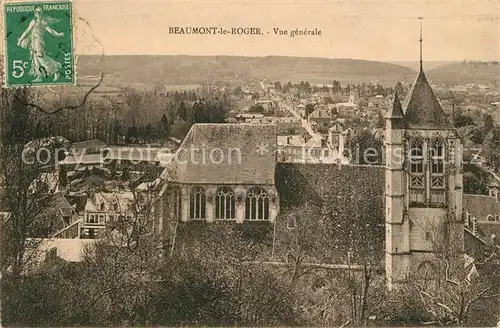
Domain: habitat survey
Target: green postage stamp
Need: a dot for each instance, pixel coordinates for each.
(39, 46)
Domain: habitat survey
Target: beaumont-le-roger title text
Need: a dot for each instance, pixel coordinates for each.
(192, 30)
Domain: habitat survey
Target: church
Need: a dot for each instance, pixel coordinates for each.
(222, 172)
(423, 176)
(415, 202)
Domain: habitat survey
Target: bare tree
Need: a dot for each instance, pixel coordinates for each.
(448, 286)
(124, 265)
(341, 255)
(303, 239)
(28, 164)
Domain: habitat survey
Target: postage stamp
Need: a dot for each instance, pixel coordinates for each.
(39, 47)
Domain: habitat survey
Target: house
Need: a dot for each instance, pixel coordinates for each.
(347, 108)
(61, 209)
(301, 110)
(77, 202)
(83, 161)
(103, 209)
(89, 146)
(336, 138)
(321, 118)
(288, 125)
(222, 172)
(291, 149)
(482, 215)
(316, 97)
(243, 117)
(285, 125)
(295, 149)
(341, 121)
(269, 105)
(130, 155)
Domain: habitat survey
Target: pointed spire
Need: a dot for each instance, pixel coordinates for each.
(397, 110)
(395, 116)
(421, 107)
(421, 18)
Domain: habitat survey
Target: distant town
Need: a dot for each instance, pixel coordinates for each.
(109, 219)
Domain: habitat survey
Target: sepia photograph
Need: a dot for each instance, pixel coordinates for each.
(226, 163)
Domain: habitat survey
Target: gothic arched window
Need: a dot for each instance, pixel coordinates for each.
(225, 207)
(436, 154)
(174, 202)
(197, 203)
(417, 176)
(257, 204)
(437, 183)
(417, 156)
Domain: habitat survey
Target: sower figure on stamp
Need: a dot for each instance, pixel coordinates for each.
(32, 39)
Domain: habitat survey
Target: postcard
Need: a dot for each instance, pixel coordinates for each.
(250, 163)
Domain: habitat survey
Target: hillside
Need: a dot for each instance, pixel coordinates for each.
(143, 69)
(428, 65)
(466, 72)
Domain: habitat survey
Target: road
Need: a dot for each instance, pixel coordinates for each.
(305, 124)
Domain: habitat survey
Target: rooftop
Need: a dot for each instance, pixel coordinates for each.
(291, 140)
(133, 154)
(89, 144)
(225, 153)
(83, 159)
(123, 200)
(318, 113)
(481, 206)
(421, 107)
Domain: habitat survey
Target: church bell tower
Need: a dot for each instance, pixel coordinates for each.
(423, 183)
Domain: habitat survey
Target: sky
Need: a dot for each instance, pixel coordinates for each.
(372, 30)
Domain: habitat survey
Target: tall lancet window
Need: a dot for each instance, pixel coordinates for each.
(257, 204)
(417, 175)
(197, 203)
(225, 205)
(174, 202)
(437, 177)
